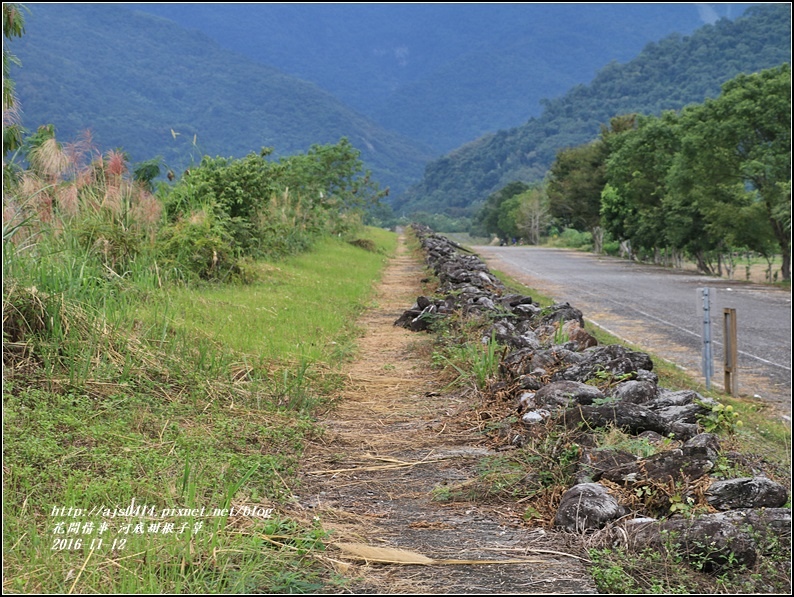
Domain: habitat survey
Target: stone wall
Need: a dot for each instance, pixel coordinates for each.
(556, 373)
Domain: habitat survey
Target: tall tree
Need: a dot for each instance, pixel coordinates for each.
(578, 176)
(488, 219)
(533, 215)
(735, 161)
(633, 208)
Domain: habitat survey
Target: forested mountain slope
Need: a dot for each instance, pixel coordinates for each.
(445, 73)
(144, 84)
(666, 75)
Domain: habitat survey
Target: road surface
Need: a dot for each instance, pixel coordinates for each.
(660, 310)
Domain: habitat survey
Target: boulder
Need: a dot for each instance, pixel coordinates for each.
(746, 492)
(587, 506)
(566, 393)
(635, 391)
(631, 418)
(594, 462)
(613, 359)
(703, 445)
(671, 465)
(712, 541)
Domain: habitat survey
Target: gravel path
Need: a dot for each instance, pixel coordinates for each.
(660, 310)
(390, 445)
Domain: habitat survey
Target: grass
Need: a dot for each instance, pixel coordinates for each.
(296, 311)
(184, 402)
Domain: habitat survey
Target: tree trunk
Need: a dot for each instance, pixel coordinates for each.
(598, 239)
(702, 264)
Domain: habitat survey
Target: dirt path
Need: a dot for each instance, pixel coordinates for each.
(389, 449)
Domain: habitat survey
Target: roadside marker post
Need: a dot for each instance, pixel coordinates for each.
(731, 351)
(707, 360)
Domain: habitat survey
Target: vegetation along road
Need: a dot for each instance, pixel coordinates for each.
(660, 310)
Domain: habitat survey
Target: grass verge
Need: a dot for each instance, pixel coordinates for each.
(150, 452)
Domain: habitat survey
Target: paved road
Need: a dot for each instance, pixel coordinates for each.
(661, 310)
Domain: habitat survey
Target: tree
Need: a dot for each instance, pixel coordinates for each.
(735, 161)
(13, 26)
(633, 208)
(488, 219)
(575, 182)
(533, 215)
(578, 176)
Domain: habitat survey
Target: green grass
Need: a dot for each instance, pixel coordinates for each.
(185, 399)
(296, 311)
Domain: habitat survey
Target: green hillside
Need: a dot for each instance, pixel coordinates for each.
(444, 73)
(141, 83)
(667, 75)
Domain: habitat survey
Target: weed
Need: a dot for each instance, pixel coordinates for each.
(721, 418)
(475, 364)
(560, 334)
(604, 378)
(618, 439)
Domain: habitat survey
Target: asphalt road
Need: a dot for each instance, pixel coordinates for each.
(661, 310)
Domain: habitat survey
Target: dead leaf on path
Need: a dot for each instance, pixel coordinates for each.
(424, 524)
(390, 555)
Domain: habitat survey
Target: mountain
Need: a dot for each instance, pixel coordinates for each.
(442, 73)
(667, 75)
(142, 83)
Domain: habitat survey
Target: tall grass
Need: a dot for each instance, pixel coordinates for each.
(122, 386)
(177, 411)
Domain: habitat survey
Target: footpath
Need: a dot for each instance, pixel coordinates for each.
(392, 444)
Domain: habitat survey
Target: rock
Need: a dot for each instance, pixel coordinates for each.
(711, 541)
(578, 338)
(650, 376)
(561, 312)
(567, 393)
(651, 437)
(526, 401)
(668, 398)
(613, 359)
(524, 361)
(510, 301)
(746, 492)
(770, 527)
(682, 431)
(526, 311)
(593, 463)
(587, 506)
(671, 465)
(703, 445)
(534, 417)
(423, 302)
(632, 418)
(634, 391)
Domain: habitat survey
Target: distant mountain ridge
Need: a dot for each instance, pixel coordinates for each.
(143, 83)
(666, 75)
(444, 73)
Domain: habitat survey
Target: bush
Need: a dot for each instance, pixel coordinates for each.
(573, 239)
(199, 246)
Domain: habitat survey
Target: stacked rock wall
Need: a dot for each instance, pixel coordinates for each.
(550, 360)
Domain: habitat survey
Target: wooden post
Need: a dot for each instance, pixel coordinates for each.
(731, 352)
